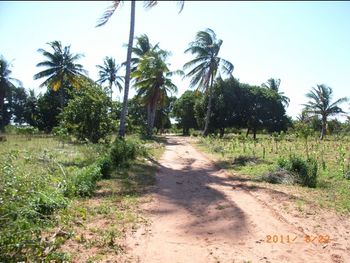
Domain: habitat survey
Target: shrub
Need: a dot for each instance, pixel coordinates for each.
(124, 150)
(105, 164)
(82, 182)
(87, 115)
(305, 170)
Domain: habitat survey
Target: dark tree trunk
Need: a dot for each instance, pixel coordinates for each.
(254, 133)
(127, 73)
(62, 96)
(324, 127)
(222, 132)
(207, 117)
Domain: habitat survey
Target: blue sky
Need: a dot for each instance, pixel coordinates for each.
(302, 43)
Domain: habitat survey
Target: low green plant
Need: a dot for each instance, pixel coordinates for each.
(82, 182)
(305, 170)
(125, 150)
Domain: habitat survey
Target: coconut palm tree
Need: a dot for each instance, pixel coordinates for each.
(153, 82)
(109, 73)
(274, 85)
(103, 20)
(320, 103)
(61, 69)
(6, 84)
(206, 65)
(142, 47)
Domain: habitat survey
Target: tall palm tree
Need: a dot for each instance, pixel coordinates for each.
(61, 69)
(206, 65)
(153, 82)
(320, 103)
(103, 20)
(109, 73)
(6, 84)
(142, 47)
(274, 85)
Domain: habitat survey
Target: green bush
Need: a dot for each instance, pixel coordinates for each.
(105, 164)
(87, 115)
(305, 170)
(123, 151)
(82, 182)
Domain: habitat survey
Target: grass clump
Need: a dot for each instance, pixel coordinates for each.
(125, 150)
(304, 170)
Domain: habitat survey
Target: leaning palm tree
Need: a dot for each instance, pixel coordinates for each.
(109, 73)
(274, 85)
(6, 84)
(103, 20)
(320, 104)
(206, 66)
(153, 82)
(61, 69)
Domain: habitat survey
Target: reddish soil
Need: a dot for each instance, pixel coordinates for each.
(199, 213)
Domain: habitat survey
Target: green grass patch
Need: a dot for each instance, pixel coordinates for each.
(46, 188)
(254, 159)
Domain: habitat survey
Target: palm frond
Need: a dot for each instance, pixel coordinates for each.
(108, 13)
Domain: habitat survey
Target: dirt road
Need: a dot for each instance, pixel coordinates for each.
(199, 214)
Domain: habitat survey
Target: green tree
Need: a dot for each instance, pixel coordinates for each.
(103, 20)
(6, 84)
(163, 112)
(320, 103)
(18, 105)
(31, 109)
(153, 82)
(274, 85)
(206, 65)
(184, 111)
(87, 116)
(109, 73)
(61, 69)
(48, 110)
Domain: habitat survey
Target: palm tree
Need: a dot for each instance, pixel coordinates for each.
(274, 85)
(103, 20)
(206, 65)
(6, 84)
(153, 82)
(320, 104)
(61, 69)
(108, 72)
(142, 47)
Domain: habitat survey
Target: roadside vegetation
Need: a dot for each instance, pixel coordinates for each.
(321, 168)
(75, 163)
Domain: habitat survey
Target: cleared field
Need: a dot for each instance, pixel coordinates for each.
(261, 157)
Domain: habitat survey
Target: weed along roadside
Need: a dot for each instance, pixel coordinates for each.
(54, 199)
(317, 171)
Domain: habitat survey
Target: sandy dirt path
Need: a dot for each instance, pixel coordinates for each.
(199, 214)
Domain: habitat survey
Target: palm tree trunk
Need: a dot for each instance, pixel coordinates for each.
(111, 90)
(207, 117)
(127, 73)
(149, 114)
(62, 97)
(324, 127)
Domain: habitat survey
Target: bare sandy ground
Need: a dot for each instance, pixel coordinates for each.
(200, 214)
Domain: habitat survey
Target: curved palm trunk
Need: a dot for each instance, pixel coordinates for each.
(324, 127)
(127, 73)
(207, 117)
